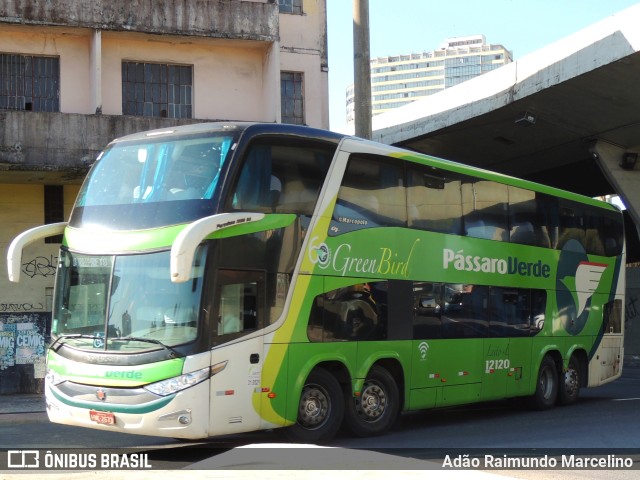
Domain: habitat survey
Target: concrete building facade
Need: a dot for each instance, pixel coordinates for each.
(76, 74)
(401, 79)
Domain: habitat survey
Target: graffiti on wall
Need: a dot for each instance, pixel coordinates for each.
(632, 308)
(40, 266)
(25, 325)
(21, 307)
(22, 340)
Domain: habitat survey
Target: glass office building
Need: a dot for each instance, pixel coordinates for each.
(401, 79)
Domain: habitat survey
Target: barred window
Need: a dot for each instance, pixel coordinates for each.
(290, 6)
(29, 82)
(157, 90)
(292, 97)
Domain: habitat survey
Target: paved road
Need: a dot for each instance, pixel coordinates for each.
(605, 419)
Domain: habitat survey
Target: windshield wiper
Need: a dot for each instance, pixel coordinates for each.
(174, 353)
(67, 336)
(60, 338)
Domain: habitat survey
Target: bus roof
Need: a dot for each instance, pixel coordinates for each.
(239, 127)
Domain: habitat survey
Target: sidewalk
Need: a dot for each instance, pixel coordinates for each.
(23, 408)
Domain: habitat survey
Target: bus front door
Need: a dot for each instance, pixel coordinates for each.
(238, 352)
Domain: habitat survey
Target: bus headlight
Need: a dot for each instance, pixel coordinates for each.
(176, 384)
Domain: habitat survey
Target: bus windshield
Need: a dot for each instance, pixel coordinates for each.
(125, 302)
(153, 182)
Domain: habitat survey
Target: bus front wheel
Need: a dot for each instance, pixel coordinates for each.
(320, 409)
(547, 385)
(376, 408)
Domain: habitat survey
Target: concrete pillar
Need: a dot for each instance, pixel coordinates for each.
(95, 75)
(271, 84)
(632, 317)
(361, 69)
(625, 181)
(324, 65)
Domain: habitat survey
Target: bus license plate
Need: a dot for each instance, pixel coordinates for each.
(103, 418)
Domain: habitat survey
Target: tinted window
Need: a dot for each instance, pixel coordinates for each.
(612, 233)
(240, 300)
(485, 210)
(613, 317)
(151, 183)
(599, 231)
(372, 194)
(355, 312)
(434, 201)
(133, 294)
(527, 224)
(444, 310)
(279, 177)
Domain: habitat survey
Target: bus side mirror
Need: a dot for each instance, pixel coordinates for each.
(14, 254)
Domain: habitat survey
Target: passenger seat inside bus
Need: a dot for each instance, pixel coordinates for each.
(296, 198)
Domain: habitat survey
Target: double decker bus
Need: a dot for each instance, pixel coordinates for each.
(223, 278)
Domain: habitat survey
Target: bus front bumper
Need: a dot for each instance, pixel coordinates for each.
(182, 415)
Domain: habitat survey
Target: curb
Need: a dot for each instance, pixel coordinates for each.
(23, 418)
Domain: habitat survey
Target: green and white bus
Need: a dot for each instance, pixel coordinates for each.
(224, 278)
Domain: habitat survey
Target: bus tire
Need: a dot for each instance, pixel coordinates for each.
(376, 409)
(320, 409)
(569, 388)
(546, 392)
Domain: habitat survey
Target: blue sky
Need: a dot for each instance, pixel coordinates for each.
(405, 26)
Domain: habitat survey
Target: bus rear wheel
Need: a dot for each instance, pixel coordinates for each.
(570, 383)
(376, 409)
(320, 409)
(546, 387)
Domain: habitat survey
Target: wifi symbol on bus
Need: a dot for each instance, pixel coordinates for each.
(423, 348)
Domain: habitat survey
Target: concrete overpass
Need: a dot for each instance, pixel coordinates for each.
(567, 115)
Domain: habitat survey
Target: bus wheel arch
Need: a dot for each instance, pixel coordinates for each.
(320, 406)
(375, 410)
(572, 378)
(547, 382)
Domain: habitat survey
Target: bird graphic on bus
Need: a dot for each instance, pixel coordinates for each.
(585, 283)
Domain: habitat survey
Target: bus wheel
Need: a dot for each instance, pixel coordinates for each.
(375, 410)
(320, 410)
(546, 386)
(570, 384)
